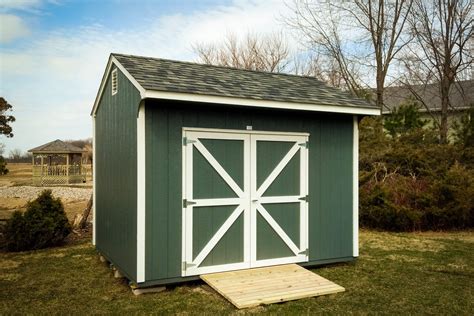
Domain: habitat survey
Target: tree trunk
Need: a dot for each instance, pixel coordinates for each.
(380, 87)
(85, 214)
(443, 130)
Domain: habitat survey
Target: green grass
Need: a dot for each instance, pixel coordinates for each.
(425, 273)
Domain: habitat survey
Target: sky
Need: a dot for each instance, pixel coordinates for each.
(53, 52)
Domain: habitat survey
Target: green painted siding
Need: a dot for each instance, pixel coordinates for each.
(116, 175)
(330, 182)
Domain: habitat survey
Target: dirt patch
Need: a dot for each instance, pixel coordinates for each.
(403, 258)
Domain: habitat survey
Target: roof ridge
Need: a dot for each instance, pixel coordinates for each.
(222, 67)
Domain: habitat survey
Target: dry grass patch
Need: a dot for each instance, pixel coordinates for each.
(18, 174)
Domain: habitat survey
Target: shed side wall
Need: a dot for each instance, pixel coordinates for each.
(116, 175)
(330, 183)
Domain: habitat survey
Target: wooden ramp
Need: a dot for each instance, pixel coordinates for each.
(253, 287)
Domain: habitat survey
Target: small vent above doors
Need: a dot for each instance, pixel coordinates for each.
(114, 81)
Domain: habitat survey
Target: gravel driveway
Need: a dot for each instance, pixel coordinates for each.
(30, 193)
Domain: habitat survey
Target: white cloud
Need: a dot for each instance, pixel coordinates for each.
(26, 5)
(52, 83)
(12, 27)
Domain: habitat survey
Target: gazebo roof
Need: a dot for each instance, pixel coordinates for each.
(56, 147)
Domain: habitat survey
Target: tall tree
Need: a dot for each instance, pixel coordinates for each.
(254, 52)
(440, 54)
(380, 23)
(319, 24)
(5, 118)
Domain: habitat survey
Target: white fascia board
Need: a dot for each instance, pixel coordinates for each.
(114, 61)
(259, 103)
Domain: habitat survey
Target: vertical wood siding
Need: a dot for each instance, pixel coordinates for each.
(330, 182)
(116, 175)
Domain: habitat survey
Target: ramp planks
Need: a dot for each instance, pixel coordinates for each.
(253, 287)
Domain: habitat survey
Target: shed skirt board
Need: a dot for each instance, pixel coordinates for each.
(253, 287)
(245, 200)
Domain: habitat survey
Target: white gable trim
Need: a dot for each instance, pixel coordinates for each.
(181, 96)
(114, 61)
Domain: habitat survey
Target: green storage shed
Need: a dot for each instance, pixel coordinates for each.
(200, 169)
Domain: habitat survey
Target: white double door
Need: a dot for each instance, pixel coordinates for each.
(245, 200)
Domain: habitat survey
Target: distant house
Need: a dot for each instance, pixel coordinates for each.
(428, 96)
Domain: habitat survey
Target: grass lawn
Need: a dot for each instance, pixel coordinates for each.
(410, 273)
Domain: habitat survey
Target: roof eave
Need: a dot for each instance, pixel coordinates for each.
(356, 110)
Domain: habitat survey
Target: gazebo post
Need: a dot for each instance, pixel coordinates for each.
(67, 168)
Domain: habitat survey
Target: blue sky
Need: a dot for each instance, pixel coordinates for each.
(53, 53)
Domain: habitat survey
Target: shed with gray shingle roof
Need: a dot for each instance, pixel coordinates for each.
(202, 168)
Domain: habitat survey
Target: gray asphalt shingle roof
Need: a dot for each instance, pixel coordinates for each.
(461, 96)
(184, 77)
(57, 146)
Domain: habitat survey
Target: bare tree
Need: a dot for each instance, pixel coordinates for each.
(265, 53)
(319, 23)
(442, 29)
(378, 23)
(15, 154)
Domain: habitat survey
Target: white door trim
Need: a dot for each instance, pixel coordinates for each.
(216, 165)
(299, 148)
(278, 169)
(249, 200)
(223, 132)
(280, 232)
(241, 202)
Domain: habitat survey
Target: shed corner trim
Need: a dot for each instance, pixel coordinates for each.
(141, 194)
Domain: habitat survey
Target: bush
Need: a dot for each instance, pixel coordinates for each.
(410, 182)
(3, 166)
(44, 224)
